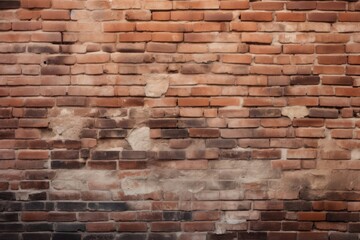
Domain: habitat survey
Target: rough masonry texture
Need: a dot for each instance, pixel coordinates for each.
(189, 120)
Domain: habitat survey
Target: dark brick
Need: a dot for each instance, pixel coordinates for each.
(70, 227)
(174, 133)
(88, 133)
(35, 113)
(39, 227)
(191, 123)
(305, 80)
(105, 155)
(70, 154)
(99, 237)
(37, 236)
(108, 206)
(9, 4)
(229, 154)
(342, 217)
(39, 206)
(38, 196)
(343, 236)
(297, 205)
(119, 133)
(323, 113)
(7, 196)
(297, 226)
(131, 236)
(67, 164)
(9, 217)
(66, 236)
(43, 49)
(162, 236)
(162, 123)
(177, 216)
(11, 227)
(10, 206)
(9, 236)
(282, 236)
(265, 112)
(272, 216)
(265, 226)
(105, 123)
(5, 112)
(312, 236)
(226, 236)
(85, 153)
(221, 143)
(71, 206)
(252, 236)
(133, 154)
(171, 155)
(6, 134)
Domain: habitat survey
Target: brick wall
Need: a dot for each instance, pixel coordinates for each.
(190, 120)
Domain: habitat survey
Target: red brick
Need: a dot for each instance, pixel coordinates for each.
(55, 15)
(256, 16)
(234, 5)
(349, 17)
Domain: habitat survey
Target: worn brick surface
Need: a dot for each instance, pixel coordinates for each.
(189, 120)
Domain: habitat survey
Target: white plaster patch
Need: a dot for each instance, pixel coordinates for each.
(156, 85)
(139, 139)
(295, 112)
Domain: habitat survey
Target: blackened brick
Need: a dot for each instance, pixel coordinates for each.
(11, 227)
(9, 217)
(7, 196)
(133, 154)
(162, 123)
(70, 154)
(265, 112)
(108, 206)
(171, 155)
(174, 133)
(9, 4)
(39, 227)
(252, 236)
(118, 133)
(272, 216)
(39, 206)
(37, 236)
(343, 236)
(99, 237)
(70, 227)
(131, 236)
(67, 164)
(38, 196)
(342, 217)
(66, 236)
(305, 80)
(162, 236)
(177, 216)
(9, 236)
(265, 226)
(10, 206)
(105, 155)
(226, 236)
(297, 205)
(71, 206)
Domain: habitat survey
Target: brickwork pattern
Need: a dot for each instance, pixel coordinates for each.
(189, 120)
